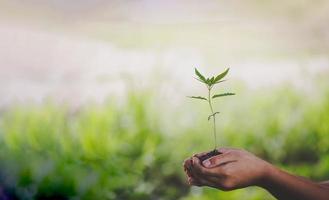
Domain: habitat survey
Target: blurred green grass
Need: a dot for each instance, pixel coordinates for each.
(123, 151)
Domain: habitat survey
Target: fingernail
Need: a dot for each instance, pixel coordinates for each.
(206, 163)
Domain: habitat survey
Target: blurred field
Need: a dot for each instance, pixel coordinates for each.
(123, 152)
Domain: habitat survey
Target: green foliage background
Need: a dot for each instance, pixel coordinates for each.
(134, 150)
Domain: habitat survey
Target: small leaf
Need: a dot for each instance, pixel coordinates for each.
(223, 95)
(220, 81)
(208, 81)
(212, 80)
(222, 75)
(198, 97)
(212, 115)
(202, 78)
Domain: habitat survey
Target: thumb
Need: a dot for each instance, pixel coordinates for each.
(218, 160)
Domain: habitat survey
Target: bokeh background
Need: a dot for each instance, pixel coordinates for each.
(93, 93)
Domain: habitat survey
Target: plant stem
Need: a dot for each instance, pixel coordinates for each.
(213, 115)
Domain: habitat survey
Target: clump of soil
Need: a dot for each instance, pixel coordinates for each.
(210, 154)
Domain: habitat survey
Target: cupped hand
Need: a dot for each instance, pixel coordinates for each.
(232, 169)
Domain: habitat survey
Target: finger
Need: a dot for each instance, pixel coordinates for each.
(187, 166)
(199, 170)
(203, 177)
(215, 182)
(219, 160)
(186, 163)
(195, 182)
(188, 173)
(225, 149)
(203, 182)
(190, 168)
(206, 179)
(198, 182)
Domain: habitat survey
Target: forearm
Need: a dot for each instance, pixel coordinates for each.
(285, 186)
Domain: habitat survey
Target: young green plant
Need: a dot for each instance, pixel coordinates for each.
(210, 83)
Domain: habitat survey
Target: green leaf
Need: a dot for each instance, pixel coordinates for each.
(223, 95)
(198, 97)
(208, 81)
(221, 76)
(199, 80)
(202, 78)
(212, 80)
(220, 81)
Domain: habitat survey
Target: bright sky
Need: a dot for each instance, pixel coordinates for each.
(59, 48)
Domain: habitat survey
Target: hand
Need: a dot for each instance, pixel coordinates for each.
(232, 169)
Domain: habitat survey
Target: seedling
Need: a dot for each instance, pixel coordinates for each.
(210, 83)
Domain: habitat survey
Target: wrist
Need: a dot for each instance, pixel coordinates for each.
(268, 175)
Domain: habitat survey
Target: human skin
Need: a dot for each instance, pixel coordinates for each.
(235, 168)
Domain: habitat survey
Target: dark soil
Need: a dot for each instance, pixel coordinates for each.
(209, 155)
